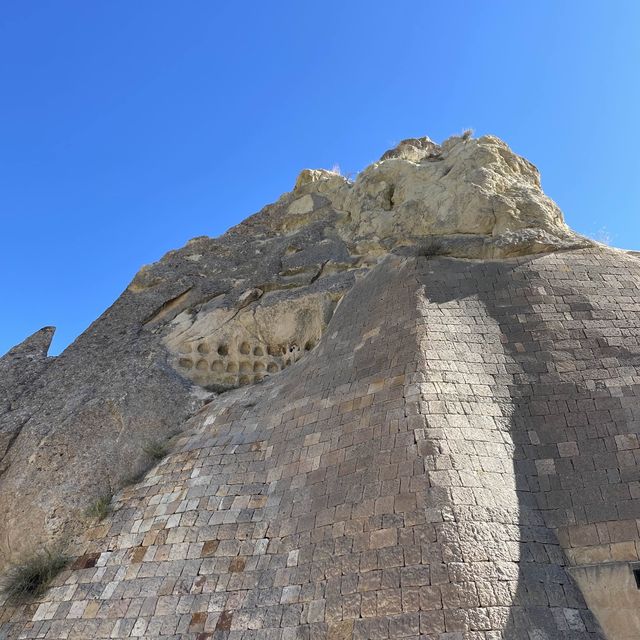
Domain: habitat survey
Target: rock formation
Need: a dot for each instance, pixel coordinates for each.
(403, 406)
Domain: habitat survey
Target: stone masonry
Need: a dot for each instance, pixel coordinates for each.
(454, 456)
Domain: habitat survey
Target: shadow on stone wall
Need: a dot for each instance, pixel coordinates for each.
(516, 294)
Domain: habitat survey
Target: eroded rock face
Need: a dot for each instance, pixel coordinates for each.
(226, 348)
(235, 310)
(475, 187)
(19, 370)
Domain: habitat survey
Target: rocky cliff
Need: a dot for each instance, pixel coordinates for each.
(399, 406)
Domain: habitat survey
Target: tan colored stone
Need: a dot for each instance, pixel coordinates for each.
(383, 538)
(340, 630)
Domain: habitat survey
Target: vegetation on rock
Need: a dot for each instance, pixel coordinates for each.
(101, 508)
(32, 576)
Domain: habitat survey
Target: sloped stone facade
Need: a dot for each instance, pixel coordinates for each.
(406, 406)
(459, 442)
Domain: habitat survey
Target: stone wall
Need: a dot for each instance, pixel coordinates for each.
(376, 433)
(193, 325)
(434, 468)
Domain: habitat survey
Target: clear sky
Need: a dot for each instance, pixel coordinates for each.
(127, 128)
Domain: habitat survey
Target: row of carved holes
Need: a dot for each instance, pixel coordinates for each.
(245, 349)
(243, 367)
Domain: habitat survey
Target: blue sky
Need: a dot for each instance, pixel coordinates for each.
(127, 128)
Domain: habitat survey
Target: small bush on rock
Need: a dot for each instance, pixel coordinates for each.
(31, 577)
(156, 450)
(134, 477)
(101, 508)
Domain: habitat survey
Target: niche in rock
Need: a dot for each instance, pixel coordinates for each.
(225, 348)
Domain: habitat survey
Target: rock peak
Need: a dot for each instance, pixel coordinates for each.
(414, 149)
(475, 195)
(35, 346)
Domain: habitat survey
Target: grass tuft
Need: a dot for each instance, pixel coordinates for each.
(31, 577)
(135, 476)
(156, 450)
(101, 508)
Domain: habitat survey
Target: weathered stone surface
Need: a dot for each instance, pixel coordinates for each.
(472, 187)
(222, 348)
(19, 372)
(455, 428)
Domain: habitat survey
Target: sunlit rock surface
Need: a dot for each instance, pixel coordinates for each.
(400, 406)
